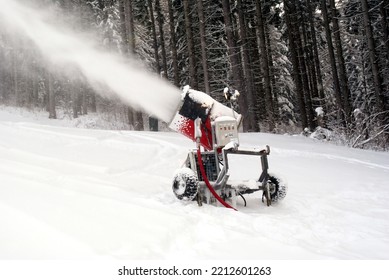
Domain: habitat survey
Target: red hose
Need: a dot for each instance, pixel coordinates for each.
(208, 184)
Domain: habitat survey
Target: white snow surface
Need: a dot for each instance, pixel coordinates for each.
(72, 193)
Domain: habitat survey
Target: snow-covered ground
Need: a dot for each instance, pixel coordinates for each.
(72, 193)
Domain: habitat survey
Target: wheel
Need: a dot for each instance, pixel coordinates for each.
(185, 184)
(277, 189)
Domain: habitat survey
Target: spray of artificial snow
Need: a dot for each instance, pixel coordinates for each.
(135, 86)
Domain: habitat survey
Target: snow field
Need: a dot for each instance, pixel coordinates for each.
(68, 193)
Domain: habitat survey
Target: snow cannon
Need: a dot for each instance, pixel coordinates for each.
(205, 174)
(199, 105)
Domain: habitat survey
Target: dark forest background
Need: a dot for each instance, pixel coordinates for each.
(318, 67)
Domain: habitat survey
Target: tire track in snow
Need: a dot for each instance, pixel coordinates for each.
(294, 153)
(49, 162)
(167, 152)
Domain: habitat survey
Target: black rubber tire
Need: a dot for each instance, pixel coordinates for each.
(185, 184)
(278, 190)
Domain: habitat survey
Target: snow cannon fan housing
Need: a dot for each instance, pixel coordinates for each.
(196, 104)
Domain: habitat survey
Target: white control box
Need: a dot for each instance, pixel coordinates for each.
(226, 131)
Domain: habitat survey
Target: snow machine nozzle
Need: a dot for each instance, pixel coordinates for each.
(196, 104)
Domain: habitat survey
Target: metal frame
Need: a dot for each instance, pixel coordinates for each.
(219, 186)
(221, 183)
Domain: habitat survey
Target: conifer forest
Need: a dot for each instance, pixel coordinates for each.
(313, 67)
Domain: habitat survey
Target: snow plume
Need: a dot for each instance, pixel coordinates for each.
(128, 80)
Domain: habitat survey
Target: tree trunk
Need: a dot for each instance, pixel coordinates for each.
(50, 96)
(316, 54)
(204, 59)
(258, 91)
(173, 45)
(342, 68)
(331, 56)
(2, 77)
(75, 98)
(236, 80)
(130, 25)
(34, 76)
(304, 74)
(93, 102)
(308, 70)
(295, 62)
(161, 37)
(253, 121)
(310, 61)
(265, 66)
(377, 80)
(138, 121)
(275, 90)
(130, 117)
(123, 26)
(385, 28)
(138, 115)
(191, 49)
(128, 35)
(15, 75)
(84, 101)
(155, 42)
